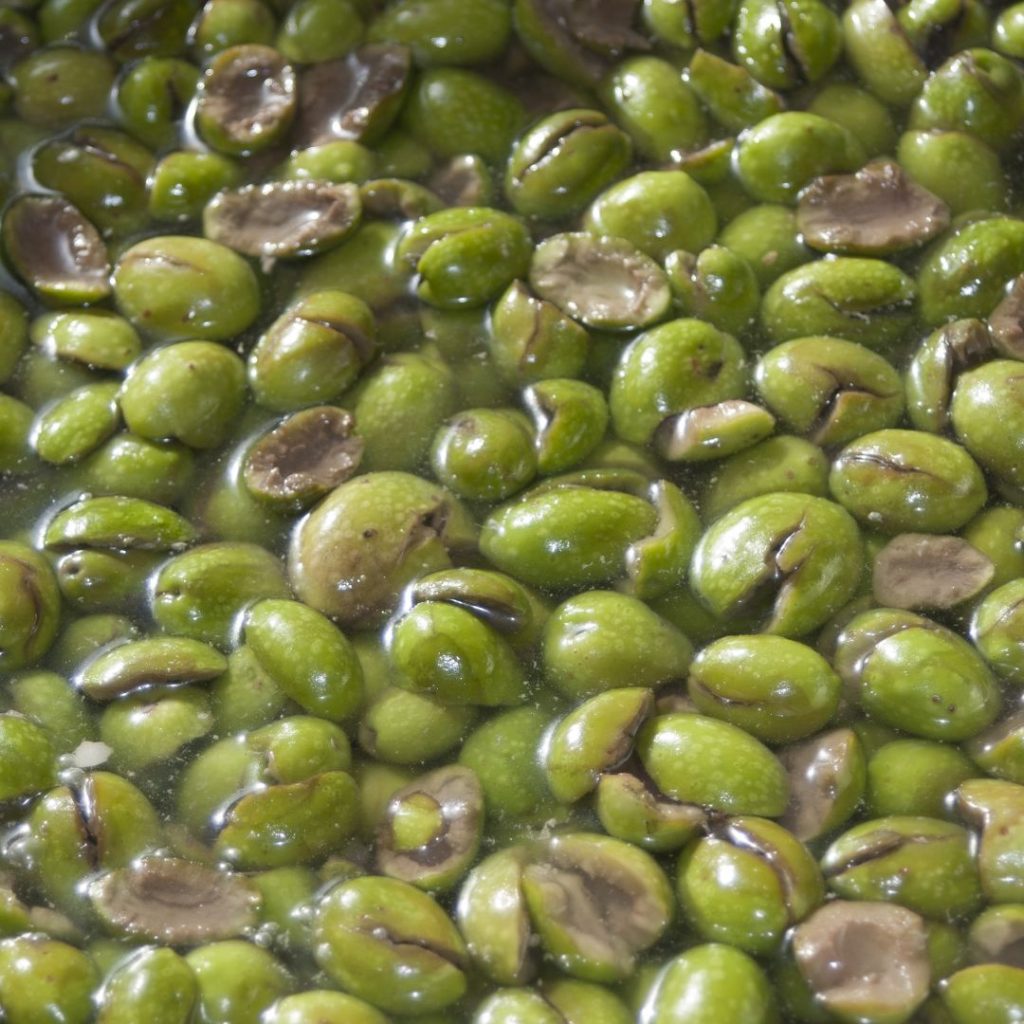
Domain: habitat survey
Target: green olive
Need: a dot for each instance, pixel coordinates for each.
(358, 930)
(172, 287)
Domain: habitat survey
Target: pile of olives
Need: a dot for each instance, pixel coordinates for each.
(513, 512)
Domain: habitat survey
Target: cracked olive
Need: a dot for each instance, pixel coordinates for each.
(864, 961)
(484, 454)
(358, 930)
(701, 760)
(594, 738)
(172, 286)
(431, 829)
(777, 157)
(190, 391)
(563, 161)
(915, 675)
(862, 300)
(669, 369)
(781, 562)
(746, 883)
(29, 605)
(355, 552)
(776, 689)
(923, 864)
(658, 211)
(907, 481)
(579, 660)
